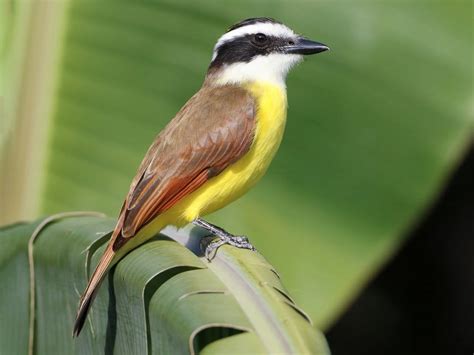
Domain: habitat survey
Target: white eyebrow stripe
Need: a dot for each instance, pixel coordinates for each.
(268, 28)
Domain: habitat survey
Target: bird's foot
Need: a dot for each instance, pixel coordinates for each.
(238, 241)
(224, 237)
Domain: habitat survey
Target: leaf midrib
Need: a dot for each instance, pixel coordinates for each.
(252, 304)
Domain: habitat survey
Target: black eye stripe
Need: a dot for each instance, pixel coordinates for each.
(245, 48)
(252, 38)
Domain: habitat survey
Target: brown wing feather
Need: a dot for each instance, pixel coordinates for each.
(213, 130)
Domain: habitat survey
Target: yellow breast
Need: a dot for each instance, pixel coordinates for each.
(238, 178)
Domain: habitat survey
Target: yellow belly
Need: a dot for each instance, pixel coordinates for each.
(238, 178)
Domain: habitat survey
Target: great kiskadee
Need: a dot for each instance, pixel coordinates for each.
(216, 147)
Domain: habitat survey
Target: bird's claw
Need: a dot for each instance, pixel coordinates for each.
(238, 241)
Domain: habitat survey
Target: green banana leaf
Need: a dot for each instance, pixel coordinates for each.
(375, 126)
(160, 299)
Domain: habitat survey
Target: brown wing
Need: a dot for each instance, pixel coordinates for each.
(214, 129)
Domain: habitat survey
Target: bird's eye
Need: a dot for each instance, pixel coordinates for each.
(260, 39)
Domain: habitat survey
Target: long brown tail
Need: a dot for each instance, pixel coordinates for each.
(92, 288)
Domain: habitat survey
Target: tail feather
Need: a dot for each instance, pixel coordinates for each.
(92, 288)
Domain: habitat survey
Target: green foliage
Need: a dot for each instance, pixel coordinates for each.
(374, 126)
(161, 298)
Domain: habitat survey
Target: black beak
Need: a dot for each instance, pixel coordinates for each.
(305, 46)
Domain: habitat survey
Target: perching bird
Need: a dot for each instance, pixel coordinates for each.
(217, 146)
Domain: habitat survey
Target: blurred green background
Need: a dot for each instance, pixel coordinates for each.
(375, 126)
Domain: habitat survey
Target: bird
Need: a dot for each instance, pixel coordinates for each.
(217, 146)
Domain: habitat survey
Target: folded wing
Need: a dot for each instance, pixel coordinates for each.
(213, 130)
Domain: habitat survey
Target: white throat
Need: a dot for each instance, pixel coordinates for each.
(271, 68)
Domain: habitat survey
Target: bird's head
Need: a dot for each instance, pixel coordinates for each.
(259, 49)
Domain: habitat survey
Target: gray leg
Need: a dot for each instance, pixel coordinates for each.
(225, 237)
